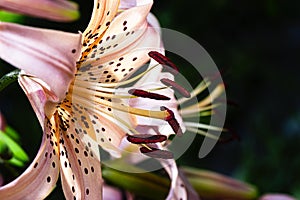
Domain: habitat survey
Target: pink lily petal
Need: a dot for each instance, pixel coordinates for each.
(111, 193)
(40, 177)
(126, 36)
(121, 64)
(58, 10)
(80, 169)
(153, 21)
(28, 49)
(39, 95)
(126, 4)
(177, 190)
(103, 13)
(191, 192)
(102, 129)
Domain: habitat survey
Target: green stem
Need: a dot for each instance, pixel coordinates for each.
(9, 78)
(148, 185)
(207, 184)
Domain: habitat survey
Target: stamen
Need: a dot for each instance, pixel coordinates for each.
(203, 133)
(146, 138)
(207, 101)
(145, 94)
(163, 60)
(156, 153)
(199, 89)
(176, 87)
(172, 121)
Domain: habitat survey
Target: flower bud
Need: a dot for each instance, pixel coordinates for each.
(211, 185)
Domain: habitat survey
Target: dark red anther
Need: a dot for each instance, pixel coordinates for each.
(146, 138)
(172, 121)
(163, 60)
(145, 94)
(157, 153)
(176, 87)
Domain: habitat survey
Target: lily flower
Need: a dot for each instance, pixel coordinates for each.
(75, 104)
(79, 107)
(57, 10)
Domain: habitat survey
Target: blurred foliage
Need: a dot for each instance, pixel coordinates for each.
(256, 45)
(10, 17)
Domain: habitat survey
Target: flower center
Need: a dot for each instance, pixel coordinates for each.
(103, 99)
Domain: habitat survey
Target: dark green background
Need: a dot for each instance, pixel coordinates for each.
(256, 44)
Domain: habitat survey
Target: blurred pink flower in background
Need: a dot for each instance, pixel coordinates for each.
(57, 10)
(276, 197)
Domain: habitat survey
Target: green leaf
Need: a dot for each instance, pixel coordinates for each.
(16, 162)
(9, 78)
(12, 133)
(137, 183)
(11, 17)
(18, 152)
(5, 152)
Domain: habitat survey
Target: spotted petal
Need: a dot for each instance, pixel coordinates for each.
(58, 10)
(80, 168)
(103, 12)
(40, 177)
(47, 54)
(122, 49)
(177, 190)
(39, 95)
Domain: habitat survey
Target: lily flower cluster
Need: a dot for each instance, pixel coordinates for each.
(71, 82)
